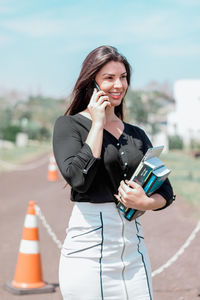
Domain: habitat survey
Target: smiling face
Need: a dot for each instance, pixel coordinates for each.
(112, 79)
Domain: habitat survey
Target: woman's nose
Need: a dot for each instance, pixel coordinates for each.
(117, 83)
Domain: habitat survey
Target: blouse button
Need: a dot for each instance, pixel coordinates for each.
(117, 144)
(125, 175)
(122, 153)
(126, 164)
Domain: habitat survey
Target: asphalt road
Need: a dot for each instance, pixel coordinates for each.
(165, 232)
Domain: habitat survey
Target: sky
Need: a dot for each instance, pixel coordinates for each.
(44, 42)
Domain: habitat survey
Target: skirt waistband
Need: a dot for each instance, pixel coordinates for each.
(109, 207)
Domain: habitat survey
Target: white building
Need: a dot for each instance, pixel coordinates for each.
(185, 120)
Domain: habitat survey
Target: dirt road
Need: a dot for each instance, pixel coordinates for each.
(165, 232)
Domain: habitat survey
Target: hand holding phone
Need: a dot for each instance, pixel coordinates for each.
(96, 86)
(98, 103)
(99, 90)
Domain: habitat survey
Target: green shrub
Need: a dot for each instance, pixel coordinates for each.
(175, 142)
(10, 132)
(194, 144)
(44, 134)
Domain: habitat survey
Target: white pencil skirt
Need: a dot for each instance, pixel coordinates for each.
(104, 256)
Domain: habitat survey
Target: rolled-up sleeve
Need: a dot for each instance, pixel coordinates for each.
(74, 158)
(166, 192)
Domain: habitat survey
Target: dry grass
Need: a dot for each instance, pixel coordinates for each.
(185, 175)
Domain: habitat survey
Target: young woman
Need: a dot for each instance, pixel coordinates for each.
(103, 255)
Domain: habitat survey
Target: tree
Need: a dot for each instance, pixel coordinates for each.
(146, 108)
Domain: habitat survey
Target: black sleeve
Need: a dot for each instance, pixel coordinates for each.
(74, 158)
(165, 190)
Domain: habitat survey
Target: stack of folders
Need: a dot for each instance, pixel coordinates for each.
(150, 174)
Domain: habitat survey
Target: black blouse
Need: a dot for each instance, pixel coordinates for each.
(97, 179)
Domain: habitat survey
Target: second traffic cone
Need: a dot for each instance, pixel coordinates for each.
(28, 274)
(52, 169)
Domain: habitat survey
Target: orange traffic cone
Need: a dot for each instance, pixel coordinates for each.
(52, 169)
(28, 274)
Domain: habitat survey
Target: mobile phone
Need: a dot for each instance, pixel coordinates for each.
(96, 86)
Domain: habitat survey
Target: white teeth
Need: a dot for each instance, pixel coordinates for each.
(115, 94)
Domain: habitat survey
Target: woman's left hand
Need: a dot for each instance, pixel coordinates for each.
(132, 195)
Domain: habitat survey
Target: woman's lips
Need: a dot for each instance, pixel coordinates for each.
(116, 95)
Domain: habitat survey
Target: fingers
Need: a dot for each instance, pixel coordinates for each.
(99, 99)
(93, 98)
(122, 188)
(97, 105)
(94, 92)
(96, 95)
(118, 197)
(102, 99)
(121, 199)
(105, 104)
(126, 187)
(132, 184)
(122, 192)
(132, 195)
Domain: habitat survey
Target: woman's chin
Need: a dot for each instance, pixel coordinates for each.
(115, 102)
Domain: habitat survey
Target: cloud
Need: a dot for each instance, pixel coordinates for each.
(142, 25)
(187, 2)
(176, 50)
(39, 26)
(5, 40)
(131, 24)
(35, 27)
(5, 8)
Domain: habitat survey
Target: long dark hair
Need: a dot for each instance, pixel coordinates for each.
(84, 86)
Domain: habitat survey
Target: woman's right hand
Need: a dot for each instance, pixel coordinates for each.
(97, 105)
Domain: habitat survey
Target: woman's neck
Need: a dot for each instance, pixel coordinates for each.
(110, 114)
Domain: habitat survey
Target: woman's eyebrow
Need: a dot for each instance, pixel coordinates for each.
(110, 74)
